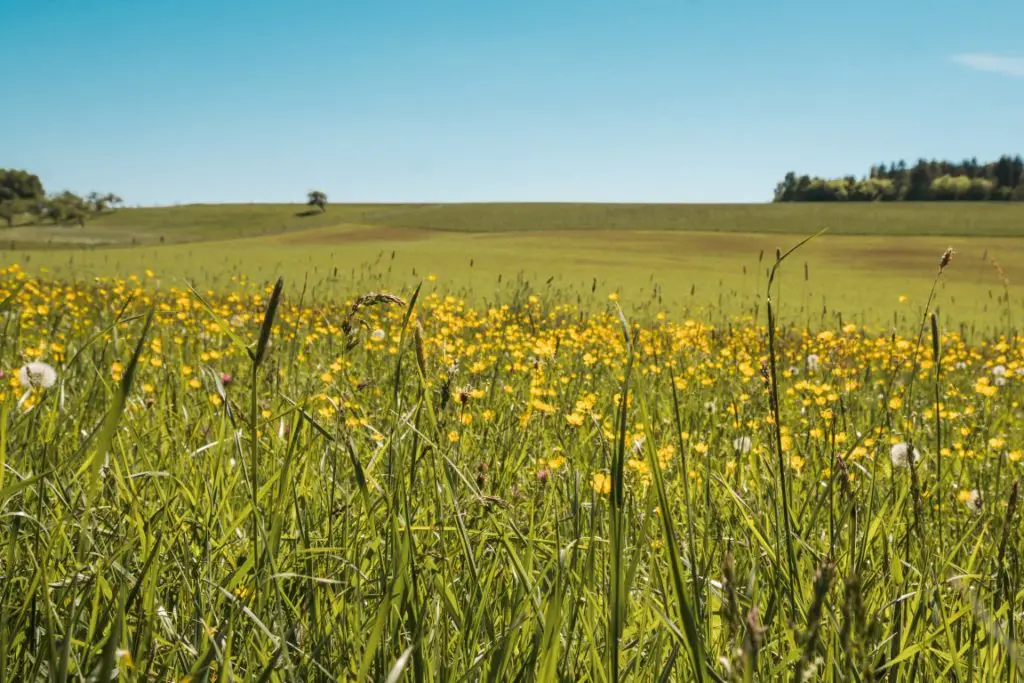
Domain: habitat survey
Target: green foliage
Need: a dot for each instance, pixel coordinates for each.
(11, 209)
(17, 184)
(22, 193)
(318, 199)
(926, 180)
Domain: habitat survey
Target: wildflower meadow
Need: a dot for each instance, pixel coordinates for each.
(243, 484)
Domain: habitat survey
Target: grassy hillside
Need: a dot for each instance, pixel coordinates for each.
(198, 222)
(186, 223)
(930, 218)
(677, 258)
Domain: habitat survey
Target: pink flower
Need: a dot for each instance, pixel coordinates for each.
(542, 476)
(225, 378)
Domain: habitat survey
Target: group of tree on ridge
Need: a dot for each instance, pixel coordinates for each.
(1001, 180)
(22, 196)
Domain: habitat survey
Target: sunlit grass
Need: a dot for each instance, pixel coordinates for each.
(407, 486)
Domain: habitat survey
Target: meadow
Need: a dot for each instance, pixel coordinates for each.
(441, 465)
(710, 261)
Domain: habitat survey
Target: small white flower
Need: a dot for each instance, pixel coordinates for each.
(960, 365)
(898, 453)
(999, 381)
(999, 371)
(710, 407)
(638, 444)
(742, 444)
(377, 335)
(37, 374)
(973, 501)
(813, 361)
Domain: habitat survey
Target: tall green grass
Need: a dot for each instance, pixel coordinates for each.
(402, 487)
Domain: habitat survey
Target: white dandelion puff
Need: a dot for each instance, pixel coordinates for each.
(377, 335)
(999, 371)
(898, 454)
(37, 375)
(813, 361)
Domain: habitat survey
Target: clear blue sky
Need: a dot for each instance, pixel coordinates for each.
(167, 101)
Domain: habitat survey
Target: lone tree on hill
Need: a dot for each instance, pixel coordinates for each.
(318, 199)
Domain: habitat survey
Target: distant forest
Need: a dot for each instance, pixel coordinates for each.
(926, 180)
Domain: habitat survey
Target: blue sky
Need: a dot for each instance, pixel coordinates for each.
(174, 101)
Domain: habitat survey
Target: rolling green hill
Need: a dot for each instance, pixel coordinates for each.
(195, 222)
(932, 218)
(683, 258)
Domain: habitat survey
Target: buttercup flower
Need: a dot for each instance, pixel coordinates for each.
(971, 498)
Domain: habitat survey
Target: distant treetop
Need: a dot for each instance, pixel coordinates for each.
(933, 180)
(23, 198)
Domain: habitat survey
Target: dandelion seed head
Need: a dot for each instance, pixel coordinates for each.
(36, 375)
(899, 455)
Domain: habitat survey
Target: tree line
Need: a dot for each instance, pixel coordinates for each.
(933, 180)
(23, 198)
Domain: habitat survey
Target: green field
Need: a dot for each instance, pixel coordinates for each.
(316, 480)
(682, 258)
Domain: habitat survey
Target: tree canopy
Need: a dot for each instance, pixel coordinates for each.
(932, 180)
(22, 196)
(16, 184)
(318, 199)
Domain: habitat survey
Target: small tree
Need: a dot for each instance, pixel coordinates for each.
(55, 210)
(68, 206)
(97, 202)
(78, 214)
(318, 199)
(10, 210)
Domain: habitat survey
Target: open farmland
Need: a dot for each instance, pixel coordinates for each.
(873, 265)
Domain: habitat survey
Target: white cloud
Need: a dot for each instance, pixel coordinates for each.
(980, 61)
